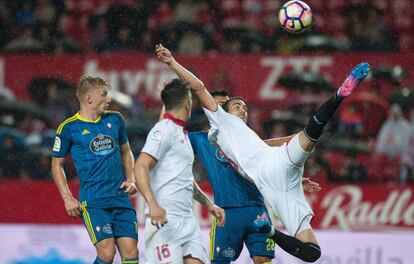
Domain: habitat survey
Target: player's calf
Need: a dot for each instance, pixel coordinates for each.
(308, 252)
(317, 122)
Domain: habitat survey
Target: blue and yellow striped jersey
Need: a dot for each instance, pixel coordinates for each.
(95, 150)
(230, 188)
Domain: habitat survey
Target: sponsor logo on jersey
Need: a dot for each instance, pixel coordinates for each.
(56, 145)
(228, 252)
(102, 145)
(107, 229)
(109, 125)
(156, 136)
(98, 228)
(85, 132)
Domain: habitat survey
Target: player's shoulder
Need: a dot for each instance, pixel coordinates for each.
(164, 125)
(116, 114)
(160, 131)
(66, 123)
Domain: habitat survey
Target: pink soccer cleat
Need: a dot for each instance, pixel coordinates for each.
(355, 77)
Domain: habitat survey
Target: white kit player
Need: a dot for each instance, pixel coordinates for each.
(165, 179)
(277, 171)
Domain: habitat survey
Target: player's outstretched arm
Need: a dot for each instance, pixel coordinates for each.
(197, 86)
(142, 169)
(213, 209)
(72, 206)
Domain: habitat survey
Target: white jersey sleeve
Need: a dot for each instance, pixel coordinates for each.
(158, 141)
(215, 120)
(215, 117)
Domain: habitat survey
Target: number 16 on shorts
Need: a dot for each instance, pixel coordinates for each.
(163, 252)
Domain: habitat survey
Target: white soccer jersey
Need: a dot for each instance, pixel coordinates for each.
(276, 171)
(172, 177)
(241, 145)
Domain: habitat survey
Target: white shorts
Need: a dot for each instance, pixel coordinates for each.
(180, 237)
(281, 185)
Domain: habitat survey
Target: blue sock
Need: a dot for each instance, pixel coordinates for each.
(129, 260)
(101, 261)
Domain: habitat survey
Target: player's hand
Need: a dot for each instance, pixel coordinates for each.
(310, 186)
(72, 206)
(129, 187)
(158, 215)
(218, 213)
(163, 54)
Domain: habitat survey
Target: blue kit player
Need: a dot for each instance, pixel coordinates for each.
(97, 141)
(240, 199)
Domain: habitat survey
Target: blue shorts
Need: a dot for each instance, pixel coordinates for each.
(110, 223)
(226, 243)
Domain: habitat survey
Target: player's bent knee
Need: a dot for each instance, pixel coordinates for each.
(130, 253)
(107, 256)
(313, 253)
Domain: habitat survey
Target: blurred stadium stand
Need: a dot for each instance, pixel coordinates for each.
(210, 28)
(236, 45)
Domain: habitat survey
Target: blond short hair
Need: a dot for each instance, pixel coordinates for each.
(87, 83)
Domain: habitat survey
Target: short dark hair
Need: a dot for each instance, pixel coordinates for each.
(226, 103)
(219, 93)
(174, 94)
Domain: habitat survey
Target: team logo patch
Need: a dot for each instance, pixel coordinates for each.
(156, 136)
(56, 145)
(107, 229)
(102, 145)
(228, 252)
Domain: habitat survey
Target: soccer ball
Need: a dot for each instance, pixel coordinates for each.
(295, 16)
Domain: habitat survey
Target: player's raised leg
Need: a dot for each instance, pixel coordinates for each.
(313, 130)
(304, 244)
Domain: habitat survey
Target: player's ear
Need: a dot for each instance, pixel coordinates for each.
(88, 98)
(187, 104)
